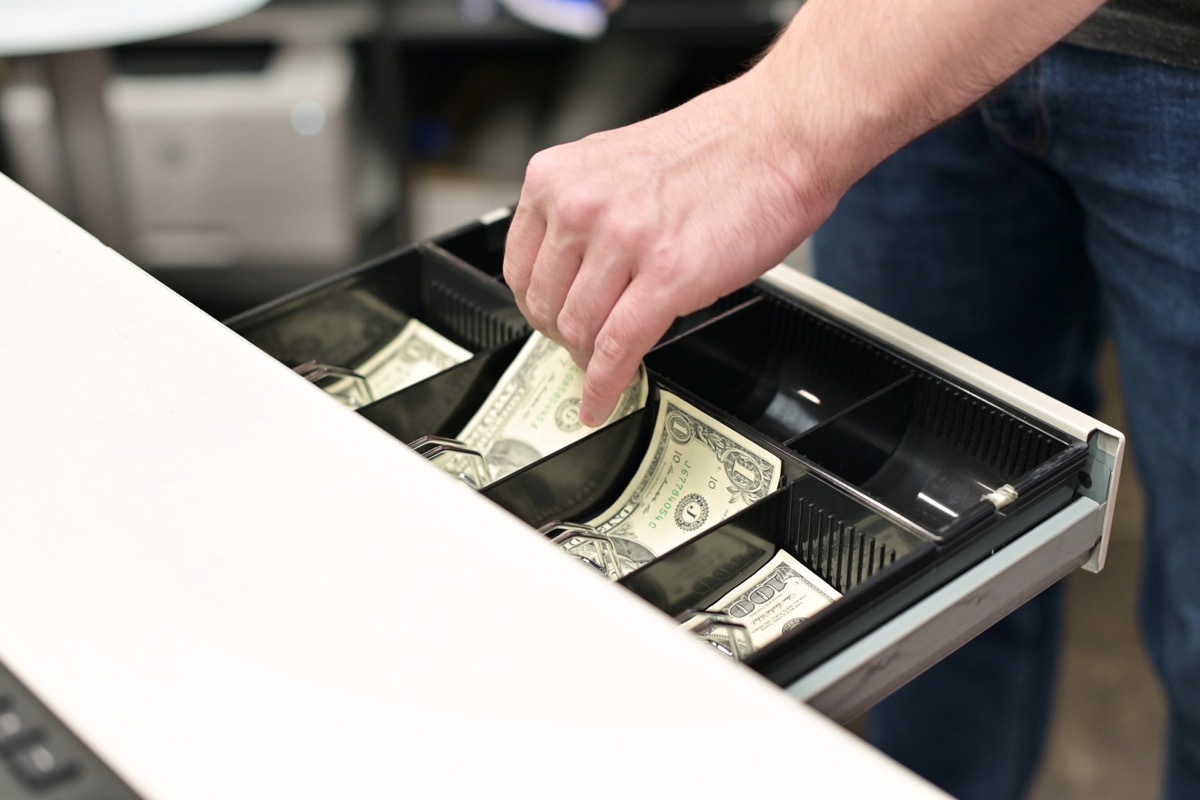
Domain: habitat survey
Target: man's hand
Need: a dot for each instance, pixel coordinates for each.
(618, 234)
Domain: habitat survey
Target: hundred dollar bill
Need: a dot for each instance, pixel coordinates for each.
(416, 353)
(781, 595)
(533, 410)
(697, 473)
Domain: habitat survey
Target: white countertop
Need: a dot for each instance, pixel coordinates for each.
(230, 586)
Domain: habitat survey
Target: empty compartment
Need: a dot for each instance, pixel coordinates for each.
(776, 366)
(407, 315)
(940, 457)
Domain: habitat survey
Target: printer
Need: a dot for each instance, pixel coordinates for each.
(242, 163)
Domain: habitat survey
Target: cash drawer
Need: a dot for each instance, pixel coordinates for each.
(220, 583)
(919, 484)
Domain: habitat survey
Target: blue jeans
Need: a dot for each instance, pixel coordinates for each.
(1065, 205)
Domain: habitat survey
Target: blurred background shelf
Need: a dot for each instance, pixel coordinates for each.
(257, 155)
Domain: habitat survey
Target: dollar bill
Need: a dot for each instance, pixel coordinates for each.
(533, 410)
(416, 353)
(697, 473)
(356, 331)
(777, 598)
(342, 329)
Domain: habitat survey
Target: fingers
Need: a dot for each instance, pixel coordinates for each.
(600, 282)
(637, 321)
(540, 264)
(554, 271)
(586, 299)
(570, 260)
(525, 234)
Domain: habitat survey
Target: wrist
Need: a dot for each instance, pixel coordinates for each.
(817, 142)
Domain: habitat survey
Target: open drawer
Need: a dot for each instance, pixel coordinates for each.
(218, 582)
(928, 493)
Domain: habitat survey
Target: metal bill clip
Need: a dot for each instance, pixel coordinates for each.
(727, 635)
(588, 545)
(470, 466)
(350, 387)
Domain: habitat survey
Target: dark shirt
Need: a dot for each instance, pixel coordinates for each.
(1161, 30)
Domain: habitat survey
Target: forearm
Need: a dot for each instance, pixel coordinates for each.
(850, 81)
(617, 235)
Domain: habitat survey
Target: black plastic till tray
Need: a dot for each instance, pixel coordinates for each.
(892, 469)
(415, 282)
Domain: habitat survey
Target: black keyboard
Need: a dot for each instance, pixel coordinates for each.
(40, 759)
